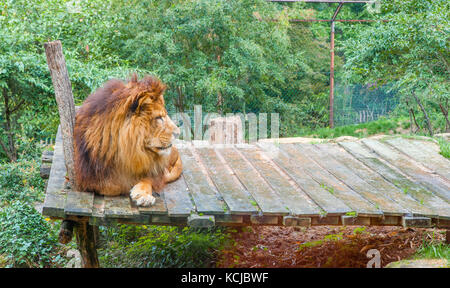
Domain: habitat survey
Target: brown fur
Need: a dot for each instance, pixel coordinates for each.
(119, 134)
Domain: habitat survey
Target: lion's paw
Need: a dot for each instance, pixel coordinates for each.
(142, 195)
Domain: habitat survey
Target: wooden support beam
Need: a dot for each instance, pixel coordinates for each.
(64, 99)
(86, 238)
(416, 221)
(296, 221)
(201, 221)
(66, 231)
(86, 241)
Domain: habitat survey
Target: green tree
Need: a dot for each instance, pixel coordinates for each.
(25, 84)
(411, 50)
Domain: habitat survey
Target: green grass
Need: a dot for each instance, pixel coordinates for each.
(444, 147)
(433, 251)
(381, 126)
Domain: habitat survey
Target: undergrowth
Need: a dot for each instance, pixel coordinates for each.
(160, 246)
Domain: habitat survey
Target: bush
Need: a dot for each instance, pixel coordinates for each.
(26, 239)
(21, 181)
(161, 247)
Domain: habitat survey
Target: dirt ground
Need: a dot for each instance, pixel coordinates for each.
(321, 246)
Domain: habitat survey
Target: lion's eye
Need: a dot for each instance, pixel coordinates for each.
(159, 118)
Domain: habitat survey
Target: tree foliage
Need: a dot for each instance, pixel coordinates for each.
(411, 51)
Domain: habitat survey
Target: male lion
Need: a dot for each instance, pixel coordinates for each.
(123, 140)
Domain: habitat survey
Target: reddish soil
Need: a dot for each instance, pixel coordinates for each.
(321, 246)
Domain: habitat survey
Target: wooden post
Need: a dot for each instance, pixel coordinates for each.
(66, 108)
(64, 99)
(86, 241)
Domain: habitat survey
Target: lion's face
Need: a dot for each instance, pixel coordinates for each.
(148, 122)
(159, 129)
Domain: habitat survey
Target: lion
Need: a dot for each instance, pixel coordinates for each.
(123, 141)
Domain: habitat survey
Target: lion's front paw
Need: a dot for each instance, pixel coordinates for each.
(141, 193)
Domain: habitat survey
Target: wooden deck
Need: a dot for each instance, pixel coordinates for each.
(393, 181)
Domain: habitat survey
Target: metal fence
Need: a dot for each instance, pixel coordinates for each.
(355, 104)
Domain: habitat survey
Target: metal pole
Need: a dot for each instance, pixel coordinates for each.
(332, 64)
(332, 76)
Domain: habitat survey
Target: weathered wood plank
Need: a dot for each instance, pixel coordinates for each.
(334, 186)
(47, 156)
(264, 220)
(417, 191)
(296, 200)
(296, 221)
(329, 203)
(79, 203)
(375, 179)
(237, 199)
(159, 208)
(201, 221)
(205, 195)
(352, 180)
(55, 196)
(177, 198)
(64, 99)
(419, 151)
(409, 167)
(118, 207)
(265, 197)
(416, 222)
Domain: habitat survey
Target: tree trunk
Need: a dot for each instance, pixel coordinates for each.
(430, 129)
(64, 99)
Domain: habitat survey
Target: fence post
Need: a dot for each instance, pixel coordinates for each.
(64, 99)
(66, 108)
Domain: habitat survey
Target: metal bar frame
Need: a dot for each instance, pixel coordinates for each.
(332, 20)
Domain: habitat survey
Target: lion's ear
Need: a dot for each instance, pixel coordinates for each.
(138, 102)
(134, 105)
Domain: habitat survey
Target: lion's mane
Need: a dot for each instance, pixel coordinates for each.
(110, 155)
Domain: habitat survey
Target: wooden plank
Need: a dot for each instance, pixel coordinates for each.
(375, 179)
(416, 222)
(55, 196)
(229, 219)
(98, 213)
(296, 221)
(419, 151)
(237, 199)
(352, 180)
(201, 221)
(204, 193)
(352, 199)
(269, 202)
(329, 203)
(328, 220)
(296, 200)
(410, 168)
(118, 207)
(159, 208)
(79, 203)
(415, 190)
(177, 198)
(264, 219)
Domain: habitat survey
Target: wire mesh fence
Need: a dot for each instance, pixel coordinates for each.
(298, 111)
(355, 104)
